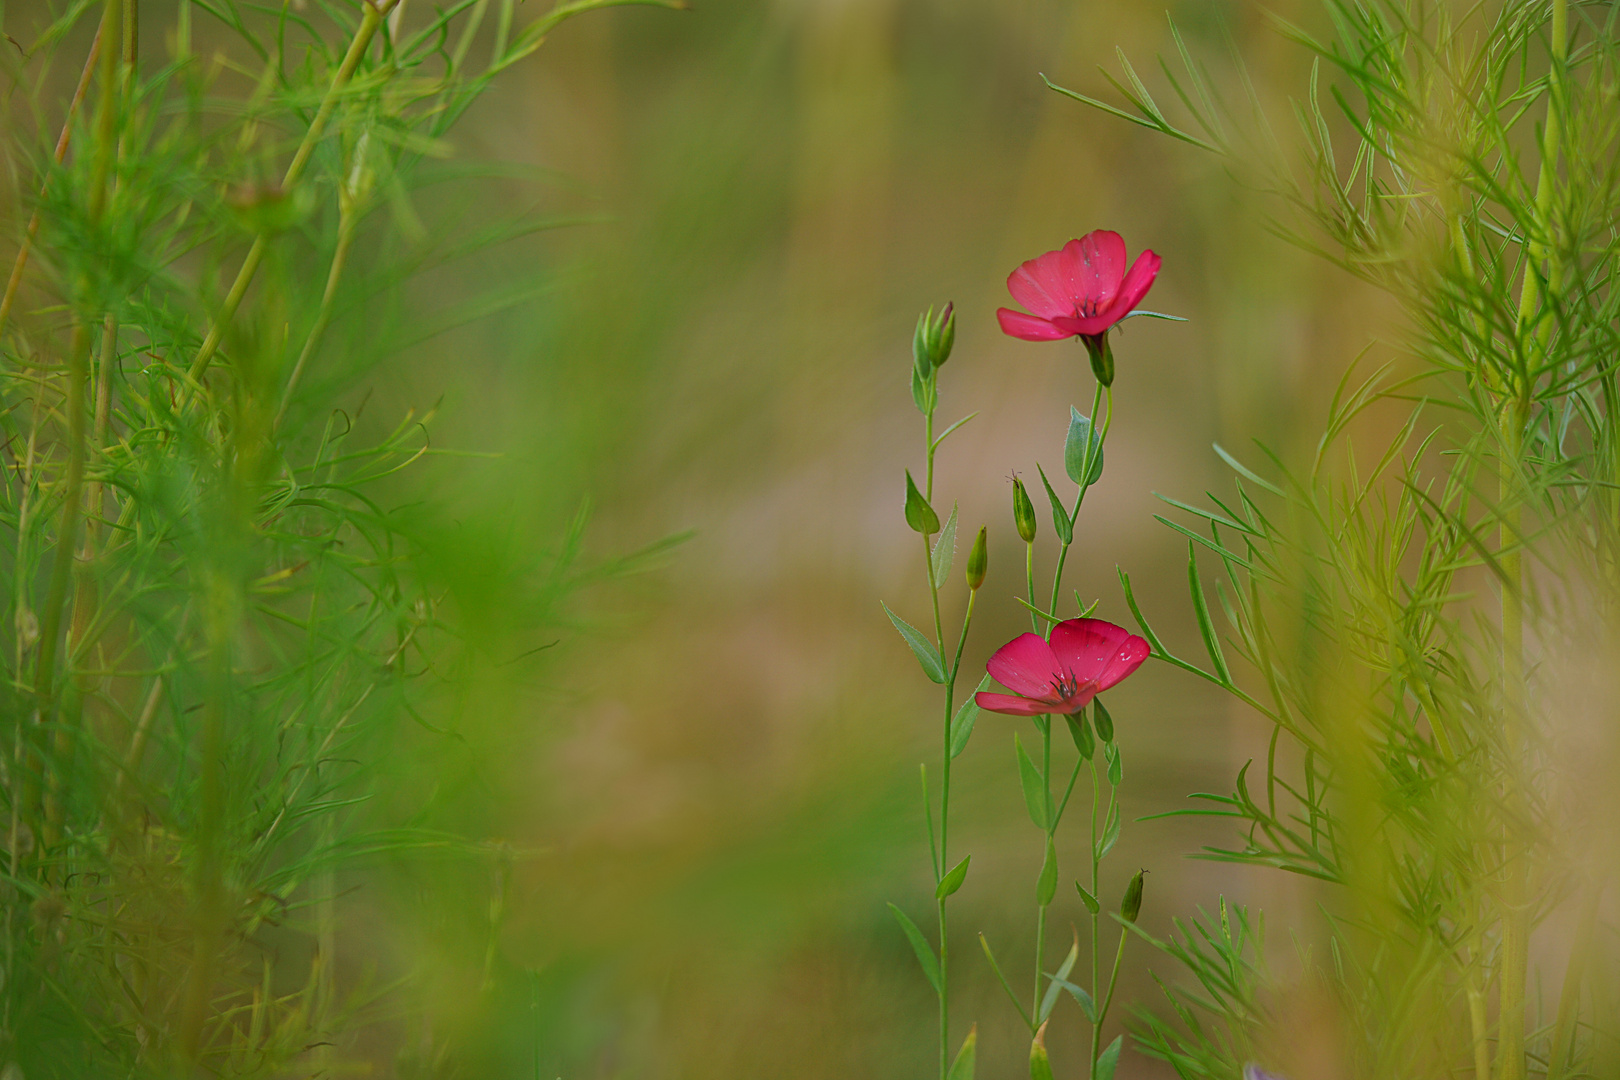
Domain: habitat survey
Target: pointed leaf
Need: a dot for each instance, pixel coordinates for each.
(1087, 899)
(1061, 521)
(1115, 770)
(1108, 1060)
(962, 723)
(1105, 722)
(1046, 886)
(953, 880)
(925, 953)
(1034, 786)
(962, 1067)
(945, 549)
(1040, 1064)
(1083, 999)
(1083, 439)
(1056, 987)
(927, 655)
(1205, 626)
(1110, 834)
(919, 515)
(1080, 732)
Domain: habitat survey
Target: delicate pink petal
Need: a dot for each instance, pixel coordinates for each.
(1127, 660)
(1076, 327)
(1085, 646)
(1136, 285)
(1042, 286)
(1095, 265)
(1079, 699)
(1017, 324)
(1025, 665)
(1012, 706)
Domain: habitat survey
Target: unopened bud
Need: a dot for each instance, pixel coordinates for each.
(935, 336)
(1040, 1064)
(1131, 906)
(1105, 723)
(1023, 512)
(978, 560)
(1102, 356)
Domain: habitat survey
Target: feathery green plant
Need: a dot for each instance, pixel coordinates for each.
(1463, 159)
(217, 629)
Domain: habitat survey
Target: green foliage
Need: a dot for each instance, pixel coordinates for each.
(1462, 161)
(225, 624)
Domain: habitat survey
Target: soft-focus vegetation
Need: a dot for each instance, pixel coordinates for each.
(362, 716)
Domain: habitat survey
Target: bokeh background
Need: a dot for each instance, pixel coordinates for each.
(699, 799)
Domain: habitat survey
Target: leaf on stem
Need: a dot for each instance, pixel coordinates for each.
(945, 549)
(1082, 998)
(1049, 1001)
(953, 880)
(925, 953)
(962, 723)
(1034, 786)
(1105, 722)
(1108, 1060)
(927, 654)
(919, 515)
(1115, 769)
(1206, 627)
(1110, 835)
(1082, 450)
(1061, 521)
(1046, 884)
(1087, 899)
(995, 967)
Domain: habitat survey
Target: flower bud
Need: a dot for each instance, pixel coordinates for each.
(1040, 1063)
(1105, 723)
(919, 515)
(1080, 732)
(932, 342)
(1131, 906)
(978, 560)
(1102, 356)
(1023, 512)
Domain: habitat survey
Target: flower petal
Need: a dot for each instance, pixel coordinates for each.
(1084, 647)
(1012, 706)
(1025, 665)
(1128, 659)
(1094, 265)
(1095, 325)
(1136, 285)
(1029, 327)
(1042, 285)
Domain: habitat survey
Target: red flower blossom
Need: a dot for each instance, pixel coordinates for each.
(1079, 290)
(1083, 658)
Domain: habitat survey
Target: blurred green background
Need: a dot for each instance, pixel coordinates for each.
(723, 767)
(698, 802)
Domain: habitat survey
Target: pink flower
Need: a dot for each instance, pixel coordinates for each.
(1080, 290)
(1083, 658)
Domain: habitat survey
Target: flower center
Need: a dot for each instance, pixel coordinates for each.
(1065, 686)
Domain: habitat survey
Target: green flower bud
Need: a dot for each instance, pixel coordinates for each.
(1023, 512)
(1040, 1064)
(1105, 723)
(1080, 732)
(1102, 356)
(919, 515)
(978, 560)
(932, 342)
(1131, 906)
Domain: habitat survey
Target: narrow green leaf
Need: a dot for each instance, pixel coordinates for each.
(1083, 999)
(1206, 626)
(1049, 1001)
(945, 549)
(925, 953)
(1087, 899)
(962, 1067)
(942, 435)
(1115, 769)
(1110, 835)
(1146, 314)
(1005, 985)
(1108, 1060)
(962, 723)
(1046, 885)
(1034, 786)
(1083, 439)
(927, 655)
(953, 880)
(1061, 521)
(919, 515)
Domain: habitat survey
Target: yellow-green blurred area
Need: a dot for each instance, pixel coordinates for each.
(699, 801)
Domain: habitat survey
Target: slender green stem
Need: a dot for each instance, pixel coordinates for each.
(1107, 998)
(1029, 576)
(1096, 916)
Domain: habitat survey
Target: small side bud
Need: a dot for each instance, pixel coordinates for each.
(919, 515)
(1102, 356)
(1023, 512)
(1080, 732)
(1131, 906)
(1040, 1064)
(978, 560)
(1105, 723)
